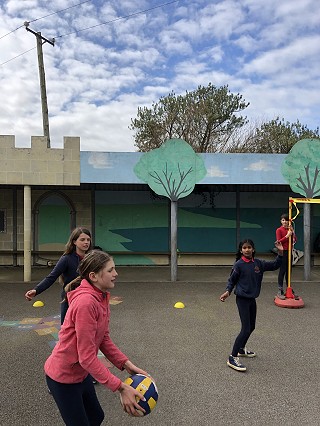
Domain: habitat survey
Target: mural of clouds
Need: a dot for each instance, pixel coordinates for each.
(262, 166)
(100, 160)
(215, 171)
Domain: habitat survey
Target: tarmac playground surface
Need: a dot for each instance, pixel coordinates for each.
(185, 350)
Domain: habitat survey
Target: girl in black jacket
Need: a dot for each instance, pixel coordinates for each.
(66, 269)
(245, 278)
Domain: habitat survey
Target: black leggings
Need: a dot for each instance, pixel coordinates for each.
(77, 402)
(283, 271)
(248, 312)
(64, 306)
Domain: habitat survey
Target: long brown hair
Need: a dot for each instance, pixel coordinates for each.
(93, 261)
(75, 234)
(70, 246)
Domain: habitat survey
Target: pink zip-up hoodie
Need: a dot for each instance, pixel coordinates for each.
(85, 330)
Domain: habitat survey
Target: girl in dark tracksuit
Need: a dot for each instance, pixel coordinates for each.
(246, 277)
(78, 245)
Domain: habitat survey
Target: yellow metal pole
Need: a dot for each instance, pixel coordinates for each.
(290, 245)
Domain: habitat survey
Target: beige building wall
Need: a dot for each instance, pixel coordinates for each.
(35, 166)
(6, 204)
(39, 165)
(81, 200)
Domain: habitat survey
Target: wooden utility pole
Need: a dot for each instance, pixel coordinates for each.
(45, 116)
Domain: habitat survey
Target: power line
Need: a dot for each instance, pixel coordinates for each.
(62, 10)
(11, 32)
(88, 28)
(118, 19)
(45, 16)
(21, 54)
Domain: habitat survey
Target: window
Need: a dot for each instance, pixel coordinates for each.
(3, 218)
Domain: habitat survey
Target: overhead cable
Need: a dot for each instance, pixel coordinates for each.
(42, 17)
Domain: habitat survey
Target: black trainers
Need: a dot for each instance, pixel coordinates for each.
(234, 363)
(280, 294)
(245, 352)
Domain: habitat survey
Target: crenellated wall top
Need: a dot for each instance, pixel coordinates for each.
(39, 165)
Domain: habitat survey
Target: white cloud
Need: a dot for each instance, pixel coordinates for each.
(100, 160)
(285, 59)
(262, 166)
(215, 171)
(97, 78)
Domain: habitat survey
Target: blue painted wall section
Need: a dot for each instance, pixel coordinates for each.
(118, 167)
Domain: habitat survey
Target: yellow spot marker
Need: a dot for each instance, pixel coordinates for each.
(179, 305)
(38, 304)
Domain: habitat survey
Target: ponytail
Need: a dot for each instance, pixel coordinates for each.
(72, 285)
(93, 261)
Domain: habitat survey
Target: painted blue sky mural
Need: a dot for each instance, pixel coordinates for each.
(117, 167)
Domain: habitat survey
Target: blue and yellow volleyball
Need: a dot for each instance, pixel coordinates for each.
(147, 388)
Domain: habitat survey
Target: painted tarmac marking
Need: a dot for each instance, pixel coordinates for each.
(47, 325)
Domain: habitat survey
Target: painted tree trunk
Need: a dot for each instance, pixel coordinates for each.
(306, 236)
(174, 234)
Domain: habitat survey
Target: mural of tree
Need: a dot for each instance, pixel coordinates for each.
(301, 168)
(172, 171)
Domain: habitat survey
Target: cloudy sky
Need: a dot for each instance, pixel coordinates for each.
(110, 57)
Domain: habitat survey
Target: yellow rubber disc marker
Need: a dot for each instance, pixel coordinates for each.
(179, 305)
(38, 304)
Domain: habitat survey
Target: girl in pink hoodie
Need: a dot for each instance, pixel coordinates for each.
(86, 330)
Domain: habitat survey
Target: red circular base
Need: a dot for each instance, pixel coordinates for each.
(289, 303)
